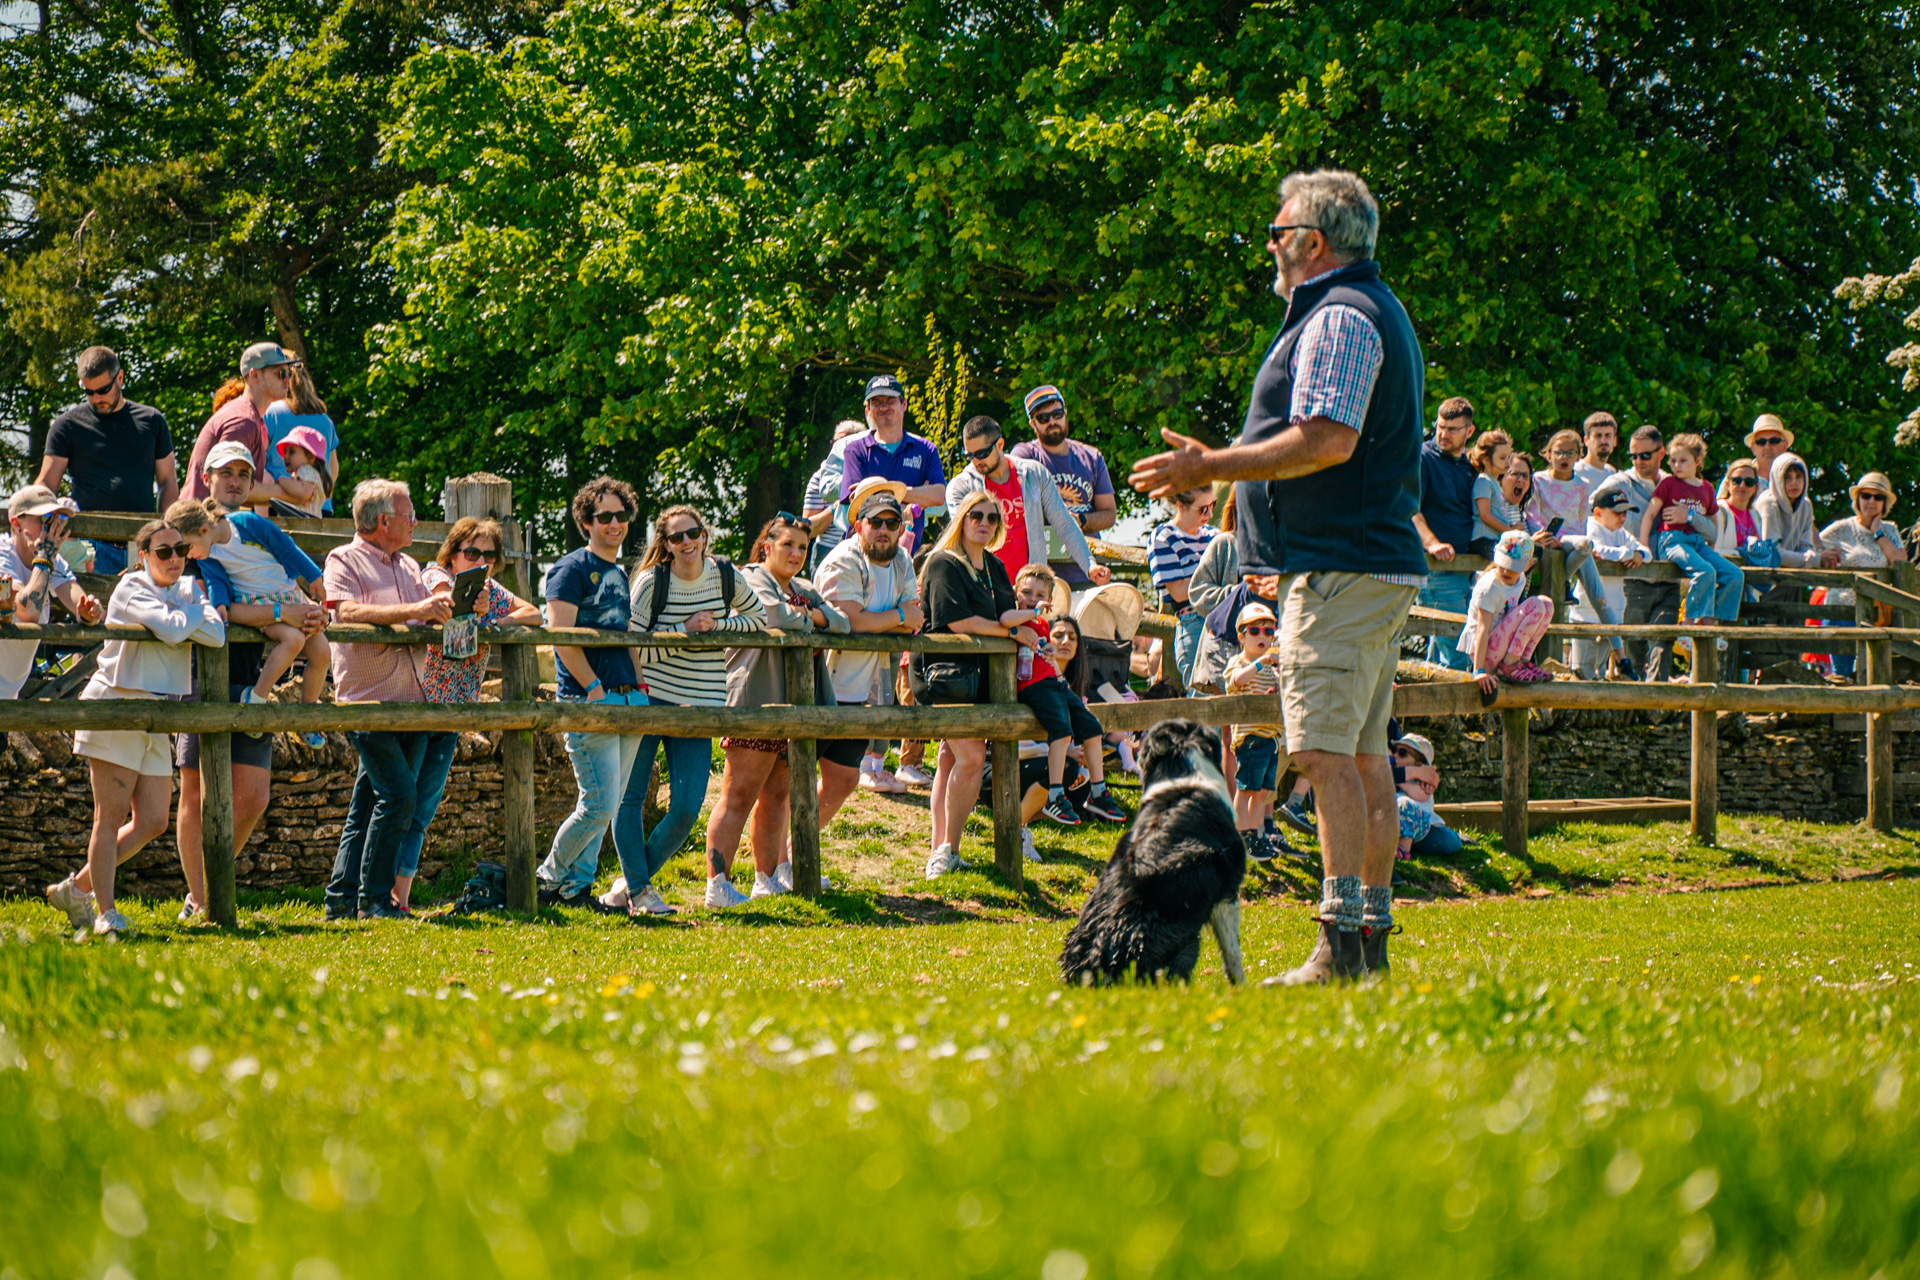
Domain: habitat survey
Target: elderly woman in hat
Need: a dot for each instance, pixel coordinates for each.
(1865, 540)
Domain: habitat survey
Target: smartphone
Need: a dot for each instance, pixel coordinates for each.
(1553, 525)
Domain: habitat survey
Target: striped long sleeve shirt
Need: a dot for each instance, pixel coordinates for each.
(692, 677)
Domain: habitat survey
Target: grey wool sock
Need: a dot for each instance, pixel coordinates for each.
(1340, 902)
(1378, 900)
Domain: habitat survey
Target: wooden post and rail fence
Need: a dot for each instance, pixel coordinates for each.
(1000, 721)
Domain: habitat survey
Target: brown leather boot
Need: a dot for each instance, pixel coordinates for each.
(1373, 950)
(1335, 958)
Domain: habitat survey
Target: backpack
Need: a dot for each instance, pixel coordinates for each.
(486, 891)
(659, 605)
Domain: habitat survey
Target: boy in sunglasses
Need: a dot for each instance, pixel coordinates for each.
(1257, 751)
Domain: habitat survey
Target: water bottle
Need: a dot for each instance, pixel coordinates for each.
(1024, 663)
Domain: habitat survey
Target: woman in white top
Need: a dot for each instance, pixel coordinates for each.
(1865, 540)
(133, 769)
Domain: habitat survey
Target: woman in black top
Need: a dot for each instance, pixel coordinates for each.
(967, 592)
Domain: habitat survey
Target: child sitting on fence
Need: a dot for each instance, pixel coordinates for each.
(261, 566)
(1607, 531)
(1502, 626)
(1063, 716)
(1679, 525)
(1493, 515)
(1560, 495)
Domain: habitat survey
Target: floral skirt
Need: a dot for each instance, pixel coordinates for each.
(772, 746)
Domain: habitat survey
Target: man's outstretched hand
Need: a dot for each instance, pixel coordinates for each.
(1187, 466)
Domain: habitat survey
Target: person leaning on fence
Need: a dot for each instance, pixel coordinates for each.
(1650, 601)
(113, 452)
(1784, 514)
(1174, 548)
(968, 593)
(1560, 495)
(679, 587)
(820, 504)
(1615, 544)
(1737, 526)
(1865, 540)
(132, 769)
(237, 418)
(31, 565)
(869, 577)
(472, 543)
(755, 785)
(1678, 525)
(587, 588)
(372, 580)
(1445, 518)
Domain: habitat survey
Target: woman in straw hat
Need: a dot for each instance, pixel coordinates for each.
(1865, 540)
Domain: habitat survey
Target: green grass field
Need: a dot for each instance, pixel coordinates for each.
(1602, 1082)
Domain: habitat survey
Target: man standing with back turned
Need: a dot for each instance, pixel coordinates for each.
(1328, 472)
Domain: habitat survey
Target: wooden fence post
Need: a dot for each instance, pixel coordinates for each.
(1879, 671)
(485, 496)
(216, 794)
(519, 682)
(1705, 791)
(1170, 667)
(1002, 684)
(1515, 783)
(802, 778)
(1553, 582)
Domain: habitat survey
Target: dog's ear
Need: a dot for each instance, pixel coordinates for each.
(1167, 738)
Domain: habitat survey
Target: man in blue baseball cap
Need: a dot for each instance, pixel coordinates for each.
(891, 452)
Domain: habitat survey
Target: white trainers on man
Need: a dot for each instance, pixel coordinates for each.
(616, 894)
(765, 886)
(913, 775)
(111, 924)
(1027, 847)
(721, 894)
(78, 905)
(944, 859)
(648, 903)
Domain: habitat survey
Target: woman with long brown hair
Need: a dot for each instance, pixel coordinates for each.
(303, 407)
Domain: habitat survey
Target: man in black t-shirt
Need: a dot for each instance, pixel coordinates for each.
(114, 451)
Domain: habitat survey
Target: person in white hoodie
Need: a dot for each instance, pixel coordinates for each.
(1607, 531)
(133, 769)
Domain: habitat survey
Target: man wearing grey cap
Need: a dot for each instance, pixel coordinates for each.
(264, 368)
(34, 573)
(113, 452)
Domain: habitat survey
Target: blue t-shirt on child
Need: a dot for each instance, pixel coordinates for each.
(598, 589)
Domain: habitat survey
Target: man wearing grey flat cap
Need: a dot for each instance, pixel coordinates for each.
(264, 368)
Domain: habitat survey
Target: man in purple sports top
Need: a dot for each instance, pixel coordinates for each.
(893, 453)
(1078, 471)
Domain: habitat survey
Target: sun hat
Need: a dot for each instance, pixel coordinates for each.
(265, 355)
(1769, 422)
(872, 485)
(38, 500)
(1514, 551)
(223, 453)
(1418, 744)
(307, 438)
(1876, 481)
(1255, 612)
(1110, 612)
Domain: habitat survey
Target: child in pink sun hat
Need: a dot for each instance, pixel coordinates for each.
(304, 450)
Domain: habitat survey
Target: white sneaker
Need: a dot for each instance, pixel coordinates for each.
(190, 911)
(78, 906)
(766, 886)
(944, 859)
(648, 903)
(783, 876)
(721, 894)
(110, 923)
(616, 894)
(913, 775)
(871, 781)
(1027, 849)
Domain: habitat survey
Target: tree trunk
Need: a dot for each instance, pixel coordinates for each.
(766, 487)
(286, 316)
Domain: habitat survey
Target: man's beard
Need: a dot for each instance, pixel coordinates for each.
(879, 557)
(1283, 284)
(1052, 436)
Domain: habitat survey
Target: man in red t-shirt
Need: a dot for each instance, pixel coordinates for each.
(1030, 502)
(264, 367)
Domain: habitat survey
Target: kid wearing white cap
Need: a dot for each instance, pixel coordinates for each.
(1502, 625)
(1257, 751)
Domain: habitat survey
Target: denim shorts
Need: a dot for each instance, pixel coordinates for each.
(1256, 764)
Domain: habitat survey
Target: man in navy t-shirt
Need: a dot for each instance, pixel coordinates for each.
(1445, 519)
(1078, 471)
(892, 453)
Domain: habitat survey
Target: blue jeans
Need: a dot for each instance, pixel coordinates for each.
(1186, 642)
(1843, 663)
(689, 765)
(108, 557)
(1714, 584)
(434, 767)
(1451, 591)
(386, 795)
(601, 763)
(1439, 842)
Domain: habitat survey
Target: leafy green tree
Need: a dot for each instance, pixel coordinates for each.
(1862, 292)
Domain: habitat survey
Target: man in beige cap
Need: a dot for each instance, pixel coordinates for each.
(1768, 440)
(264, 367)
(34, 572)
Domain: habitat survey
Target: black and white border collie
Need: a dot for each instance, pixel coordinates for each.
(1176, 869)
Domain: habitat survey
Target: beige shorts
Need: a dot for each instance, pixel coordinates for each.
(1338, 656)
(147, 754)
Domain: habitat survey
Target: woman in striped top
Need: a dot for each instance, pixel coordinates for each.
(1173, 552)
(677, 563)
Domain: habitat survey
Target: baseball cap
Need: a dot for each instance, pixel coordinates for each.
(1514, 551)
(884, 385)
(1418, 744)
(223, 453)
(1043, 394)
(265, 355)
(38, 500)
(1611, 500)
(880, 504)
(1255, 612)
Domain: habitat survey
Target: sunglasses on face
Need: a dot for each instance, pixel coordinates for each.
(981, 455)
(1258, 631)
(621, 516)
(103, 390)
(888, 523)
(1050, 415)
(990, 517)
(1872, 497)
(477, 553)
(1767, 442)
(1744, 482)
(685, 535)
(167, 551)
(1642, 457)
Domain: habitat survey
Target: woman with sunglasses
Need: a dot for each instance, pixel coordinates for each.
(1865, 540)
(755, 782)
(132, 770)
(679, 587)
(967, 593)
(1738, 524)
(1174, 549)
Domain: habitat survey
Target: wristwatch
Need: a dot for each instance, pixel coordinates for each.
(276, 611)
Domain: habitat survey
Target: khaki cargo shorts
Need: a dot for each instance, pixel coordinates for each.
(1337, 659)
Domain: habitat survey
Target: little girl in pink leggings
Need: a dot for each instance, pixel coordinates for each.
(1502, 625)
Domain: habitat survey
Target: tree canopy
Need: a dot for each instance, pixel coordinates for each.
(673, 240)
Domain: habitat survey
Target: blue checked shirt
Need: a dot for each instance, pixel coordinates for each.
(1336, 363)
